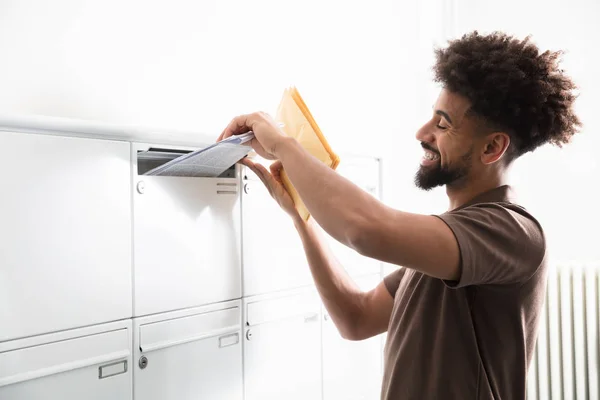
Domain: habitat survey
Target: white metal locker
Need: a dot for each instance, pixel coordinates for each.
(273, 254)
(282, 347)
(65, 235)
(352, 370)
(186, 236)
(190, 354)
(90, 363)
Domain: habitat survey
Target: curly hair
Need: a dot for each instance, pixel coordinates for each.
(512, 87)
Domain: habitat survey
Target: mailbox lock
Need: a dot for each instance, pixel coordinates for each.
(143, 362)
(247, 188)
(248, 334)
(141, 187)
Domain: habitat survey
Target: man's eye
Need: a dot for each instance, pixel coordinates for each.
(441, 127)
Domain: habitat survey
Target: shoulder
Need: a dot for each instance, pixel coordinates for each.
(499, 232)
(507, 219)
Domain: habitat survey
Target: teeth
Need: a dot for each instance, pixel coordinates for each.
(430, 156)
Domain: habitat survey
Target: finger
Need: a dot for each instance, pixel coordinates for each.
(231, 127)
(240, 124)
(259, 149)
(276, 168)
(247, 162)
(251, 165)
(257, 168)
(265, 176)
(261, 172)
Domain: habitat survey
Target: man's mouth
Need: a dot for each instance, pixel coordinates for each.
(430, 155)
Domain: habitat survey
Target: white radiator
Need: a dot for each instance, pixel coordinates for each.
(566, 364)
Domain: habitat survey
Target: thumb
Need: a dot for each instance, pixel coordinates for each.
(262, 173)
(276, 169)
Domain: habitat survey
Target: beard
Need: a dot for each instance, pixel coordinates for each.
(429, 177)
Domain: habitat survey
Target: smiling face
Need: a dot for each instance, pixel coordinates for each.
(450, 142)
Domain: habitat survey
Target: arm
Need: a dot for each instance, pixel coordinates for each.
(421, 242)
(357, 315)
(353, 217)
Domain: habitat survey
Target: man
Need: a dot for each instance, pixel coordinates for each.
(462, 311)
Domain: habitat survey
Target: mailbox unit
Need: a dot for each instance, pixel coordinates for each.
(119, 285)
(190, 354)
(65, 233)
(88, 363)
(186, 235)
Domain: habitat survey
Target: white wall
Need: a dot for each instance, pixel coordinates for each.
(363, 68)
(193, 65)
(434, 28)
(559, 185)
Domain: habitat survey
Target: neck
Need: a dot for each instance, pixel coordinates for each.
(462, 193)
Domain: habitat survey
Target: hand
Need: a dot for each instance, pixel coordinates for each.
(274, 185)
(267, 134)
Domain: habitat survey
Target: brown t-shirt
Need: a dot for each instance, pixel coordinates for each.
(472, 338)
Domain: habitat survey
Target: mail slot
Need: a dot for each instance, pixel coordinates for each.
(187, 235)
(152, 158)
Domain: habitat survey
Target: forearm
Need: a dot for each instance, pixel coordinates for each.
(340, 207)
(341, 296)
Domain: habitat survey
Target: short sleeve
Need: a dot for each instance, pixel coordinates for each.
(499, 244)
(392, 281)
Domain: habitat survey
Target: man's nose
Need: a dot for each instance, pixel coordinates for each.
(425, 134)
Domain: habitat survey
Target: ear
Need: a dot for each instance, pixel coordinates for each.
(495, 145)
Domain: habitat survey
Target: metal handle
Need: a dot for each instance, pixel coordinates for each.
(229, 340)
(108, 370)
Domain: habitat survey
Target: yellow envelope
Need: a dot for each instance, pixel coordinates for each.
(299, 123)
